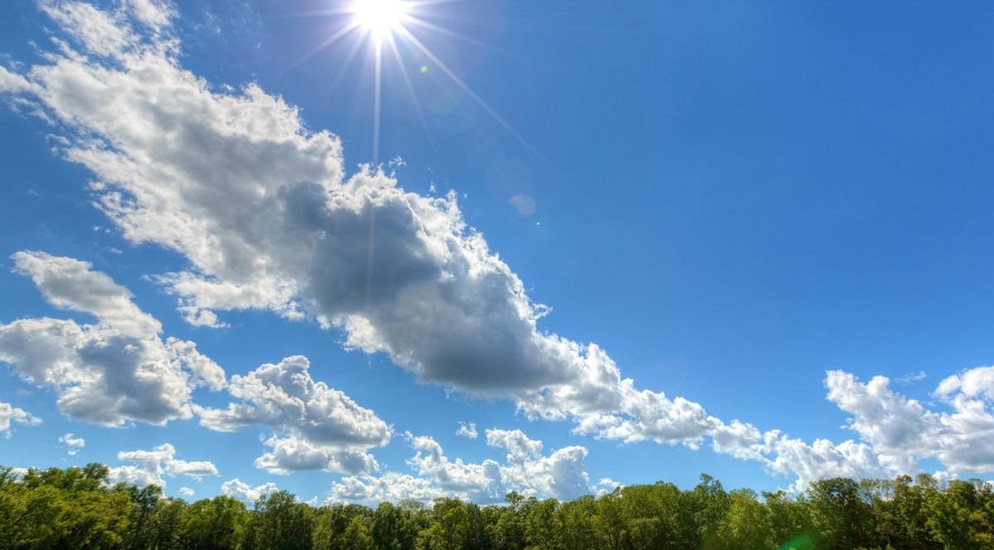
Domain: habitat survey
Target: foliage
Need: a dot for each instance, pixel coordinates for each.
(77, 508)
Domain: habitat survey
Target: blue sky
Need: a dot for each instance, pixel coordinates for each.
(578, 246)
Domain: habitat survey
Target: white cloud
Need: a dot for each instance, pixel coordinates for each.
(738, 439)
(896, 433)
(888, 421)
(389, 487)
(822, 459)
(12, 82)
(102, 32)
(561, 474)
(148, 467)
(73, 443)
(244, 492)
(319, 428)
(518, 445)
(467, 430)
(156, 14)
(912, 377)
(186, 492)
(290, 454)
(133, 475)
(72, 284)
(107, 373)
(10, 414)
(904, 431)
(607, 485)
(971, 383)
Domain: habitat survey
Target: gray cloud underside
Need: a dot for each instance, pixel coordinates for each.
(109, 372)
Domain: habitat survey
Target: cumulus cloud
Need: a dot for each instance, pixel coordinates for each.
(902, 429)
(10, 414)
(110, 372)
(238, 489)
(149, 466)
(186, 492)
(73, 444)
(263, 211)
(560, 474)
(389, 487)
(467, 430)
(895, 432)
(318, 427)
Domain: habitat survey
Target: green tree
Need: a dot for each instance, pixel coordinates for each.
(215, 523)
(280, 522)
(543, 526)
(142, 517)
(578, 519)
(746, 525)
(961, 516)
(449, 528)
(789, 521)
(839, 514)
(394, 527)
(708, 504)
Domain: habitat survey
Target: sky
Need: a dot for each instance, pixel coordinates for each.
(480, 246)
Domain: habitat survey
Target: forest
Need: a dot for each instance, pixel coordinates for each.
(78, 508)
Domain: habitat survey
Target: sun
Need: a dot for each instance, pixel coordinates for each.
(380, 18)
(389, 31)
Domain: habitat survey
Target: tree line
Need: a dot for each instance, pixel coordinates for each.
(78, 508)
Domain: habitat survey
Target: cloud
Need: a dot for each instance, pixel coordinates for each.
(519, 446)
(971, 383)
(149, 467)
(156, 14)
(912, 377)
(319, 428)
(467, 430)
(389, 487)
(186, 492)
(904, 430)
(244, 492)
(107, 373)
(290, 454)
(896, 433)
(10, 414)
(72, 284)
(73, 443)
(561, 474)
(888, 421)
(823, 459)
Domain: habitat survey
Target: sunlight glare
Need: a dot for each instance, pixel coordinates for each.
(379, 17)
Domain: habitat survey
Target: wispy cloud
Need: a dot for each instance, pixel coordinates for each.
(73, 444)
(10, 415)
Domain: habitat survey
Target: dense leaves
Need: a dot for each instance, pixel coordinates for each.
(77, 508)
